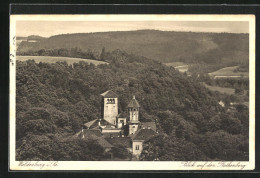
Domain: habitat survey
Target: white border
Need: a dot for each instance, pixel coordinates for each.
(131, 165)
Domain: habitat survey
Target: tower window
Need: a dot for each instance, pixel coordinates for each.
(110, 101)
(137, 147)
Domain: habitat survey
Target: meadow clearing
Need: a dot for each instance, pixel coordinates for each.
(52, 59)
(180, 66)
(228, 72)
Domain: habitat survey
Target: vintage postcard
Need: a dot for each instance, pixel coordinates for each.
(132, 92)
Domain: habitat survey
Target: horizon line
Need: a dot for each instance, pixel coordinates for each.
(184, 31)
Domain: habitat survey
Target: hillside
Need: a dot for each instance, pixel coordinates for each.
(163, 46)
(55, 99)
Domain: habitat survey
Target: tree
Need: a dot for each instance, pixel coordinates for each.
(119, 151)
(102, 54)
(231, 125)
(239, 91)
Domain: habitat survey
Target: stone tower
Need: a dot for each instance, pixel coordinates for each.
(110, 106)
(133, 110)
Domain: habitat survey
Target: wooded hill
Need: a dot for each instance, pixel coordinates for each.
(54, 100)
(163, 46)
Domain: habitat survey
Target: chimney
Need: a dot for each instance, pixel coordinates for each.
(82, 133)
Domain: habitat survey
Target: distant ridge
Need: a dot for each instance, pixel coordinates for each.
(163, 46)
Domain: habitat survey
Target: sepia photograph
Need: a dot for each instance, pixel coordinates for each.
(132, 92)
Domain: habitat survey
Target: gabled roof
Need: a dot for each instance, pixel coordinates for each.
(94, 124)
(88, 133)
(146, 125)
(124, 141)
(144, 134)
(133, 103)
(94, 135)
(109, 94)
(123, 115)
(111, 134)
(90, 123)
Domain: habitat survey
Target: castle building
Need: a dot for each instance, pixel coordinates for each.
(119, 129)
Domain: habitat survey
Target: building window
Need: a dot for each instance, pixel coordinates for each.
(136, 147)
(122, 122)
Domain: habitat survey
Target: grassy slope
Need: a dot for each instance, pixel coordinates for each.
(159, 45)
(228, 71)
(51, 59)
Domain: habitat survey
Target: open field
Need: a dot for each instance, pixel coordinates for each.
(175, 64)
(228, 72)
(228, 91)
(180, 66)
(52, 59)
(183, 68)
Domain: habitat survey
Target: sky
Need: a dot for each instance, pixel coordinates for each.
(50, 28)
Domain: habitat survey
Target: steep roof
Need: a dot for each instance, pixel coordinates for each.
(123, 115)
(90, 123)
(133, 103)
(104, 143)
(143, 134)
(95, 135)
(109, 94)
(88, 133)
(124, 141)
(146, 125)
(111, 134)
(94, 123)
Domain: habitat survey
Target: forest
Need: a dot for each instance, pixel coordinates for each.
(54, 100)
(63, 52)
(163, 46)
